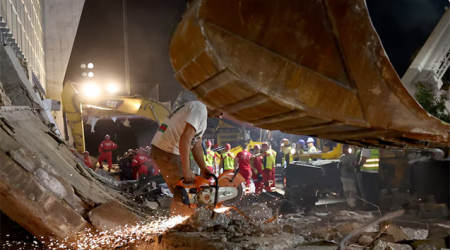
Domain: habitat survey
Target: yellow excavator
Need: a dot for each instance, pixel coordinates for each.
(72, 106)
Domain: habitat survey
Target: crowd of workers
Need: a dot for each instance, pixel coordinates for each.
(133, 164)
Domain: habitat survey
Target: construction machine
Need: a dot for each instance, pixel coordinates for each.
(72, 106)
(307, 67)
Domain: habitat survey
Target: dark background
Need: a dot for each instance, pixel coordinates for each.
(403, 26)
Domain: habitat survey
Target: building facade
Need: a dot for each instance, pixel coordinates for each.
(41, 34)
(21, 26)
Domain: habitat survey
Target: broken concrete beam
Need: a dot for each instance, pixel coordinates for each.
(343, 215)
(14, 79)
(381, 245)
(4, 99)
(28, 202)
(202, 219)
(389, 228)
(259, 213)
(429, 244)
(215, 241)
(415, 234)
(439, 231)
(365, 240)
(112, 215)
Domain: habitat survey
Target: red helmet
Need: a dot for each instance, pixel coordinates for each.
(107, 137)
(215, 146)
(86, 153)
(257, 146)
(227, 146)
(208, 143)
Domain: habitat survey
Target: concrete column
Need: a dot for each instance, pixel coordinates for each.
(61, 19)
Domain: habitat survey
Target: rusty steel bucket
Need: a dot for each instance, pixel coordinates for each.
(309, 67)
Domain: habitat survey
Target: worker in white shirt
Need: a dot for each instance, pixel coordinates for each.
(179, 134)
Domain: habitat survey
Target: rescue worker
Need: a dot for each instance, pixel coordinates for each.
(87, 159)
(105, 149)
(243, 163)
(299, 149)
(367, 175)
(268, 164)
(125, 166)
(311, 147)
(285, 149)
(178, 135)
(139, 165)
(256, 164)
(348, 175)
(227, 159)
(210, 158)
(274, 153)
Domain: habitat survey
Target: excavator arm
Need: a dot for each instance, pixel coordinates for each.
(72, 106)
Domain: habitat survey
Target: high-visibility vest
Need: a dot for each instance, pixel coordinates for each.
(268, 160)
(312, 149)
(191, 156)
(228, 161)
(287, 157)
(373, 163)
(209, 158)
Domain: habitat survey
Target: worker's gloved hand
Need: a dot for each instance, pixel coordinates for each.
(206, 173)
(189, 176)
(260, 177)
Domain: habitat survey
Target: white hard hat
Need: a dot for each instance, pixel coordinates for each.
(310, 139)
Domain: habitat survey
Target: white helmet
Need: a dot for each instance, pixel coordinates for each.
(310, 139)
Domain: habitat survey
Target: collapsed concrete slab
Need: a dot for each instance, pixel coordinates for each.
(112, 215)
(42, 186)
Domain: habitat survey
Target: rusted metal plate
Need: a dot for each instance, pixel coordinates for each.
(304, 67)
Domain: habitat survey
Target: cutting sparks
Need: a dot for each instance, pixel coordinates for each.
(141, 232)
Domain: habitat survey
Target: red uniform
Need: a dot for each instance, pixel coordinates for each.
(105, 149)
(257, 163)
(139, 166)
(244, 166)
(87, 161)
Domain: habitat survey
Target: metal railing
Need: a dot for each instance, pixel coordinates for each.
(21, 28)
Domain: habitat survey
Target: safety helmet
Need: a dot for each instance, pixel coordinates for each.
(301, 142)
(284, 140)
(227, 146)
(208, 143)
(107, 137)
(257, 146)
(148, 147)
(86, 153)
(310, 139)
(130, 150)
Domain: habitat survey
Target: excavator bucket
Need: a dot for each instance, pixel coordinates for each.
(309, 67)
